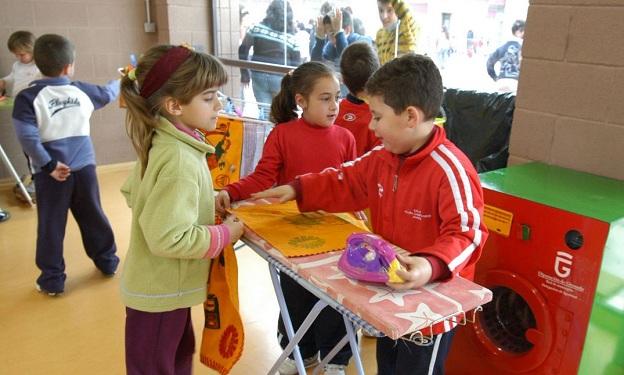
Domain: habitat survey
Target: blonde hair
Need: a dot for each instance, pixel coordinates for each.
(196, 74)
(22, 40)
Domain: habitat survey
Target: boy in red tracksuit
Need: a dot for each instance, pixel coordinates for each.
(357, 64)
(424, 196)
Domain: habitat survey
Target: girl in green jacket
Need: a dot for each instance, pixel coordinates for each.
(171, 93)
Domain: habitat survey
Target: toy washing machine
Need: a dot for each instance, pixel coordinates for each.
(555, 262)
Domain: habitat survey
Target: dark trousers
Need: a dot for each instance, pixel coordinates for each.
(159, 343)
(400, 357)
(325, 332)
(80, 194)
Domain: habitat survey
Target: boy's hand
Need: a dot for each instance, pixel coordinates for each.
(284, 193)
(61, 172)
(222, 202)
(235, 226)
(336, 21)
(320, 28)
(417, 273)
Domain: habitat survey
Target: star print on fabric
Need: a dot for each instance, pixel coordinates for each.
(481, 293)
(421, 318)
(394, 296)
(319, 283)
(339, 275)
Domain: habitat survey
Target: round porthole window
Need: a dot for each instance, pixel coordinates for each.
(506, 319)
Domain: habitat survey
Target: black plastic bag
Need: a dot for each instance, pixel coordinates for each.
(479, 123)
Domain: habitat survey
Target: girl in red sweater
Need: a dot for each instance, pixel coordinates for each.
(299, 145)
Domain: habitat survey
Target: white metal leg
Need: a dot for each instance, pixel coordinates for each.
(7, 163)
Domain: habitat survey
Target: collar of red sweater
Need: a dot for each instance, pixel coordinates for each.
(312, 126)
(438, 137)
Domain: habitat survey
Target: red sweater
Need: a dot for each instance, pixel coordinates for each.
(355, 117)
(430, 202)
(292, 149)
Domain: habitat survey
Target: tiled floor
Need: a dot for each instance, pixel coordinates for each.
(81, 332)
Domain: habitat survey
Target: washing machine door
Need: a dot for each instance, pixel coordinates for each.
(516, 328)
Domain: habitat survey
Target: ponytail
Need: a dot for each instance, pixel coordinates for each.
(284, 106)
(140, 120)
(299, 81)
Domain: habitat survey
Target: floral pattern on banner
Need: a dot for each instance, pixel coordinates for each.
(227, 139)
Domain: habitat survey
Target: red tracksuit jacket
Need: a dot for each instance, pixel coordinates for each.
(430, 202)
(356, 117)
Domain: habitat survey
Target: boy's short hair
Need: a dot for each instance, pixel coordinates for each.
(52, 53)
(21, 41)
(358, 62)
(347, 18)
(409, 80)
(517, 26)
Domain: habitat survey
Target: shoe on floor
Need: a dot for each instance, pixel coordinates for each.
(332, 369)
(51, 294)
(288, 367)
(30, 189)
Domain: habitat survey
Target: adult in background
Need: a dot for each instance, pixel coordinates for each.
(267, 39)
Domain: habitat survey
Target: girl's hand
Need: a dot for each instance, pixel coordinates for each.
(284, 193)
(417, 273)
(222, 202)
(235, 226)
(320, 28)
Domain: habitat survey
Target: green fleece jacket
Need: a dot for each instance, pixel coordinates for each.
(171, 206)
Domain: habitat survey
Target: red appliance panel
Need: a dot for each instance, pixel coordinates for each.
(544, 275)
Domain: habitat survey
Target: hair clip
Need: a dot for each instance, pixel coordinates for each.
(188, 46)
(128, 71)
(132, 74)
(290, 73)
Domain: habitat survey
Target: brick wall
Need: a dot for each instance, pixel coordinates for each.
(570, 104)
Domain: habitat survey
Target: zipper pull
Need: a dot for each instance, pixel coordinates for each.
(395, 185)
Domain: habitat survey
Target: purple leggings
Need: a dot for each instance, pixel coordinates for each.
(159, 343)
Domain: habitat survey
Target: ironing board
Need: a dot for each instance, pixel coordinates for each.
(7, 104)
(377, 309)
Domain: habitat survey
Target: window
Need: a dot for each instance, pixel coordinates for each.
(460, 35)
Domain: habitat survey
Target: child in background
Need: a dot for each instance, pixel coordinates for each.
(357, 65)
(389, 41)
(172, 92)
(298, 146)
(423, 193)
(51, 119)
(24, 70)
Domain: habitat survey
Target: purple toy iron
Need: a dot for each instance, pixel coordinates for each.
(369, 257)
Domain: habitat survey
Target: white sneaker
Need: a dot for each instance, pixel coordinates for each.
(288, 367)
(44, 291)
(332, 369)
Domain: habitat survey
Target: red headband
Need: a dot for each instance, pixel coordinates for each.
(163, 69)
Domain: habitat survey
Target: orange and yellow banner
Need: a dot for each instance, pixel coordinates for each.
(295, 234)
(225, 163)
